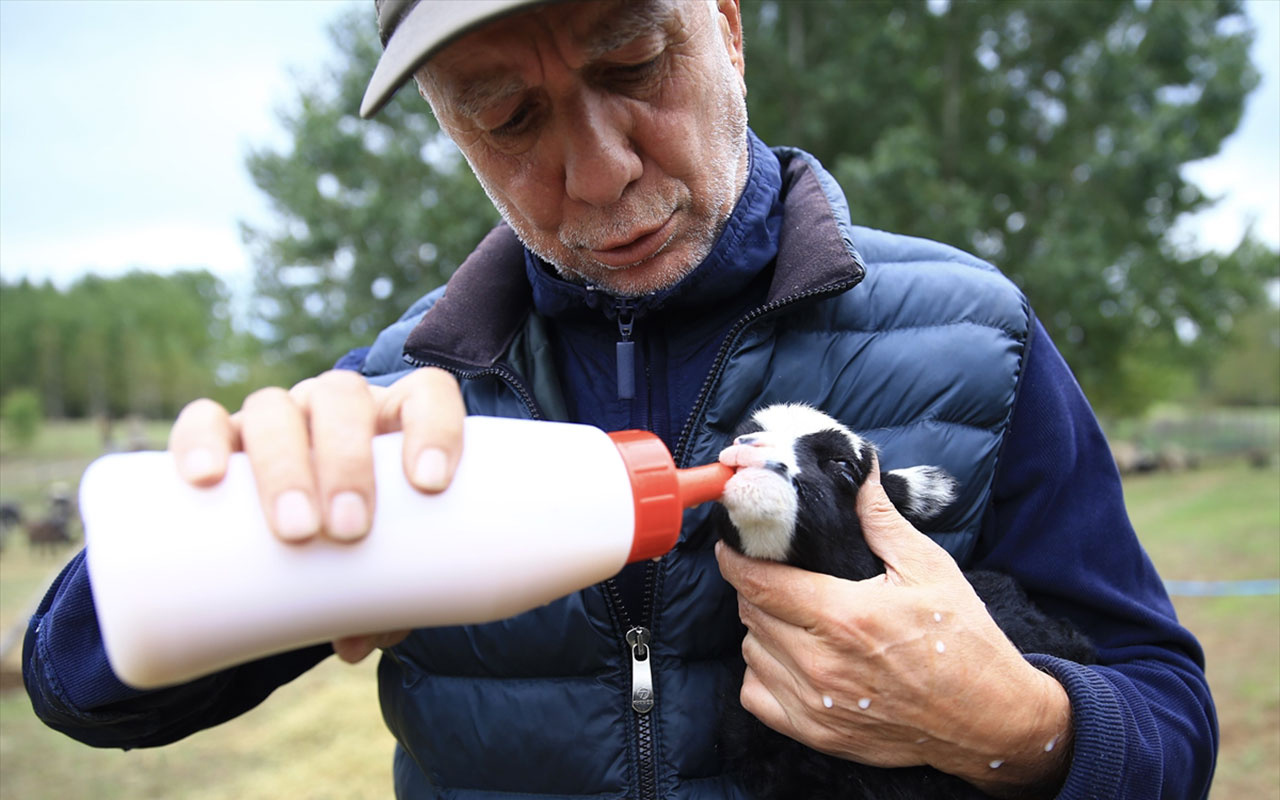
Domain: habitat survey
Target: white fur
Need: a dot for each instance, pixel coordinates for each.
(761, 500)
(794, 420)
(929, 490)
(762, 506)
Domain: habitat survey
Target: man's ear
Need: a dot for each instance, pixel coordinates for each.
(729, 17)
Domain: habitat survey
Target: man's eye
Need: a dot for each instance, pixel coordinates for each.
(515, 124)
(635, 73)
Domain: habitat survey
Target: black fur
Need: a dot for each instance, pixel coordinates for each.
(827, 538)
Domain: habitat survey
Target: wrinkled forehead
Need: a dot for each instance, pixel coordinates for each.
(579, 33)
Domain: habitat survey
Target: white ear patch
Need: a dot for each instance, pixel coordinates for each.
(929, 490)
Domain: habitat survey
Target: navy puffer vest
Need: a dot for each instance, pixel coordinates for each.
(914, 344)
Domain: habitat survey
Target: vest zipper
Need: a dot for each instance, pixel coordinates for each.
(626, 350)
(681, 454)
(643, 697)
(508, 377)
(641, 675)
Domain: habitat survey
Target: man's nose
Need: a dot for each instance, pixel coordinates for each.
(600, 160)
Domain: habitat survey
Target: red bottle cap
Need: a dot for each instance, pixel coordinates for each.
(661, 491)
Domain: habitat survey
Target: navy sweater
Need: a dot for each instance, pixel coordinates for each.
(1145, 724)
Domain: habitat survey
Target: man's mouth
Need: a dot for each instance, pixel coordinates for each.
(640, 247)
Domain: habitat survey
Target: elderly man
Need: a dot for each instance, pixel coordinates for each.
(659, 267)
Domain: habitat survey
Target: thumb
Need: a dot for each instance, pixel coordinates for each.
(908, 555)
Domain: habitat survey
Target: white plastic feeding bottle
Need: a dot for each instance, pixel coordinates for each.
(188, 581)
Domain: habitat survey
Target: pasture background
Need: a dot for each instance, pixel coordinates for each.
(322, 736)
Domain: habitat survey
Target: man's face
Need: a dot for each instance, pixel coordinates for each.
(611, 136)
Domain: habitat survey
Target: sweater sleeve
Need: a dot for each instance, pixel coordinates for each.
(73, 689)
(1145, 725)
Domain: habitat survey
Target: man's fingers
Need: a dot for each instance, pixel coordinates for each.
(781, 590)
(427, 406)
(310, 448)
(759, 701)
(342, 429)
(201, 439)
(354, 649)
(278, 445)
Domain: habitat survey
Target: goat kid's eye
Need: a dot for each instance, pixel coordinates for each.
(845, 470)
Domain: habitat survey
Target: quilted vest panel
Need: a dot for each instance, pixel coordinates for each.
(923, 357)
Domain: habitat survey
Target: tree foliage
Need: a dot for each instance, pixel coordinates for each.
(1044, 136)
(21, 415)
(1247, 371)
(370, 214)
(141, 343)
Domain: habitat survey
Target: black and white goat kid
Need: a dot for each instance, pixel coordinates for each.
(793, 500)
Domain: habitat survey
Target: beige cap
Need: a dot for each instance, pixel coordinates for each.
(413, 30)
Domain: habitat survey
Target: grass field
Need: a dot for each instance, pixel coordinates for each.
(322, 736)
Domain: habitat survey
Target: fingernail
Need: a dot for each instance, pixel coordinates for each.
(295, 516)
(199, 464)
(348, 516)
(429, 472)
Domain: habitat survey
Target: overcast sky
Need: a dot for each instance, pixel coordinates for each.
(124, 126)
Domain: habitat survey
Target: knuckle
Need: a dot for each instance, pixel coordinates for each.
(341, 379)
(265, 397)
(750, 581)
(752, 693)
(201, 407)
(879, 504)
(434, 376)
(813, 667)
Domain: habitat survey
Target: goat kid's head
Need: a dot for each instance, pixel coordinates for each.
(793, 497)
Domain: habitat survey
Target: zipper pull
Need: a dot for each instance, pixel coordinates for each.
(641, 677)
(626, 351)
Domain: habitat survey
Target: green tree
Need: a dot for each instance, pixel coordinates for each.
(140, 343)
(1044, 136)
(1246, 371)
(370, 214)
(22, 417)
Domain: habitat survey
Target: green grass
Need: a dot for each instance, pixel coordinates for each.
(322, 736)
(1224, 524)
(1211, 524)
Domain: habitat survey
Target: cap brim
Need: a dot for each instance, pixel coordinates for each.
(429, 26)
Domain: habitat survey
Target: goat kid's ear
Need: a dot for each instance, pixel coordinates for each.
(909, 556)
(920, 493)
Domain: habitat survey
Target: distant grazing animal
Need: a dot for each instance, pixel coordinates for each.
(10, 515)
(795, 502)
(10, 518)
(54, 530)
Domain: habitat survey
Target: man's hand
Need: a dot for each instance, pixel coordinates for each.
(903, 669)
(311, 453)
